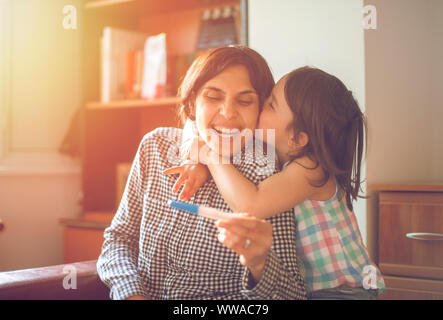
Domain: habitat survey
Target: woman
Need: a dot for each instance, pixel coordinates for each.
(152, 251)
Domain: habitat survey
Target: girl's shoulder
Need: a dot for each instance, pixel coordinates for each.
(306, 167)
(314, 177)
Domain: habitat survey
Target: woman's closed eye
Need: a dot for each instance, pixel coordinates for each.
(213, 97)
(245, 102)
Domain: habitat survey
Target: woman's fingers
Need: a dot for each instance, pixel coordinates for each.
(252, 254)
(243, 232)
(245, 220)
(248, 236)
(248, 227)
(231, 240)
(238, 241)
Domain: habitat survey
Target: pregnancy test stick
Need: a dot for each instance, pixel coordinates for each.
(203, 211)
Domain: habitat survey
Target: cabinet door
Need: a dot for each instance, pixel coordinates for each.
(411, 234)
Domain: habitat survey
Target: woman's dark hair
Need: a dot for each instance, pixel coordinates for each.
(327, 112)
(213, 62)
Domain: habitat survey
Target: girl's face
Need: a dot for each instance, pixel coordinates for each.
(225, 106)
(277, 116)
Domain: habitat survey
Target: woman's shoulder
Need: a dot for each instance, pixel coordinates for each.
(162, 144)
(163, 135)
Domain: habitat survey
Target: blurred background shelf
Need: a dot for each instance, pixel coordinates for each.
(104, 3)
(138, 103)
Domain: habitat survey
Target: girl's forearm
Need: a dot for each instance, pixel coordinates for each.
(239, 193)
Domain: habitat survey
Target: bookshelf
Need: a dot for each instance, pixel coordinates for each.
(112, 131)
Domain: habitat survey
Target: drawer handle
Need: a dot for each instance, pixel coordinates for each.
(425, 236)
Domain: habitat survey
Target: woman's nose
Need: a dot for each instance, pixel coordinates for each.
(228, 110)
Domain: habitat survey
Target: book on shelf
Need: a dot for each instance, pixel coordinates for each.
(154, 68)
(138, 74)
(134, 73)
(130, 69)
(116, 45)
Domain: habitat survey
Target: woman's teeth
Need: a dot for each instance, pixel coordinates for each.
(227, 132)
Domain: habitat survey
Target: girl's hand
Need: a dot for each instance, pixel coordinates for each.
(192, 176)
(250, 238)
(191, 149)
(195, 150)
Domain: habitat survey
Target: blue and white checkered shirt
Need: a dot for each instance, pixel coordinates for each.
(153, 250)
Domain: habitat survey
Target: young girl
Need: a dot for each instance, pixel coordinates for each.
(319, 135)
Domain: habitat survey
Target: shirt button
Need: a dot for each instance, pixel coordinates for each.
(180, 226)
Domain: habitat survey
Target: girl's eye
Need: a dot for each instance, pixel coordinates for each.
(271, 105)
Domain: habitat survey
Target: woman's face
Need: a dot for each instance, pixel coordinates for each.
(226, 105)
(277, 116)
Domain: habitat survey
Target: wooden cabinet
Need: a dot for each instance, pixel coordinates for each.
(410, 242)
(83, 237)
(111, 132)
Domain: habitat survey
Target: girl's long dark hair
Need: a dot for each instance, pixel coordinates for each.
(328, 113)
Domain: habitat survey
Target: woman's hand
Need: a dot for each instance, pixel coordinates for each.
(250, 238)
(192, 176)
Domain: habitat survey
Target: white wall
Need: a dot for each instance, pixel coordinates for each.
(436, 31)
(398, 68)
(321, 33)
(40, 87)
(31, 205)
(404, 94)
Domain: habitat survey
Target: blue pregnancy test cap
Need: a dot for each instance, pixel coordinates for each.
(188, 207)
